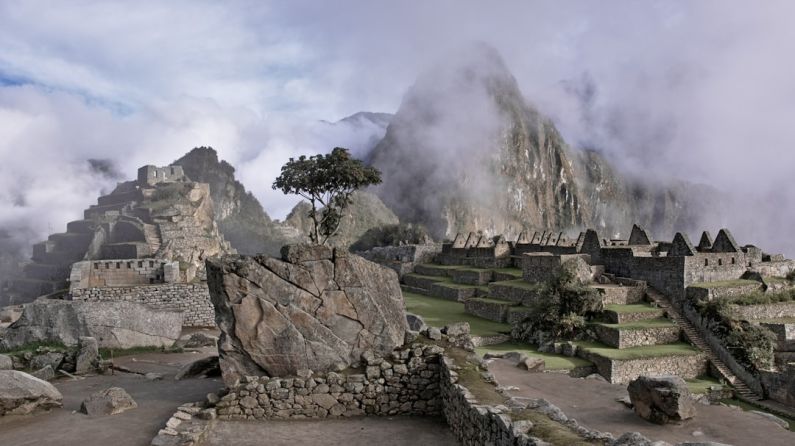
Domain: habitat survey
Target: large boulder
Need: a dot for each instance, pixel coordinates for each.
(87, 359)
(112, 324)
(110, 401)
(22, 394)
(317, 309)
(661, 399)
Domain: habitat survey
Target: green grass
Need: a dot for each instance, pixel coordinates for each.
(749, 407)
(702, 384)
(551, 360)
(551, 431)
(725, 284)
(632, 308)
(433, 265)
(774, 279)
(440, 312)
(516, 272)
(518, 283)
(494, 301)
(640, 325)
(644, 352)
(33, 346)
(108, 353)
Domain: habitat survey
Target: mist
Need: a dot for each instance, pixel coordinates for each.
(702, 91)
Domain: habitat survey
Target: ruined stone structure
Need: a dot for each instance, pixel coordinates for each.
(161, 216)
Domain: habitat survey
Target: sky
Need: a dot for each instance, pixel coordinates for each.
(698, 90)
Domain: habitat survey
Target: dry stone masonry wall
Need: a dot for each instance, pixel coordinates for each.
(191, 299)
(407, 382)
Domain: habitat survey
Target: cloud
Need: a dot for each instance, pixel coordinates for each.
(695, 90)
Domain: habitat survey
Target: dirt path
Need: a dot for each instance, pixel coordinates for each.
(157, 400)
(381, 431)
(593, 403)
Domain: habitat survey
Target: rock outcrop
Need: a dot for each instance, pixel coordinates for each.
(22, 394)
(112, 324)
(661, 399)
(316, 308)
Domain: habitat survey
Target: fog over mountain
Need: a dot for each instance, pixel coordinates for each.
(699, 93)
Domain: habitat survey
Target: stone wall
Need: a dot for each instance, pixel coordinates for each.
(766, 311)
(780, 386)
(122, 272)
(717, 346)
(192, 299)
(405, 383)
(471, 277)
(540, 267)
(723, 292)
(403, 258)
(626, 338)
(518, 294)
(714, 267)
(491, 309)
(623, 371)
(666, 274)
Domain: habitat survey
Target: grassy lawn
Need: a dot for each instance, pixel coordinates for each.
(433, 265)
(646, 351)
(702, 384)
(640, 325)
(33, 346)
(551, 360)
(518, 283)
(439, 312)
(725, 284)
(632, 308)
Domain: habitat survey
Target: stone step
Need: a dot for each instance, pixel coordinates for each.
(119, 198)
(95, 212)
(427, 269)
(518, 313)
(620, 294)
(637, 334)
(453, 291)
(619, 314)
(80, 227)
(59, 257)
(516, 290)
(503, 274)
(472, 276)
(411, 289)
(420, 281)
(67, 241)
(490, 309)
(622, 366)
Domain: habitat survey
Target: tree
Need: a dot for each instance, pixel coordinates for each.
(327, 181)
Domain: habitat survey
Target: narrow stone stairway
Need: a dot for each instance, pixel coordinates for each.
(742, 391)
(153, 239)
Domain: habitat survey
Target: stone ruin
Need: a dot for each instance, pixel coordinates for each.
(162, 215)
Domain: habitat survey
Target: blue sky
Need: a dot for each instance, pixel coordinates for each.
(698, 89)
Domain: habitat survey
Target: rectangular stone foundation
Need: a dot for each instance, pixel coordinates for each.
(621, 371)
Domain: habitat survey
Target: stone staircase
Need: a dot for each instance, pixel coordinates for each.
(153, 239)
(694, 336)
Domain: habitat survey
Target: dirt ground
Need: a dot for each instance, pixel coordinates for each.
(593, 404)
(381, 431)
(157, 400)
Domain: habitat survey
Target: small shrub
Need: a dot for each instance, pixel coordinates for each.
(561, 312)
(791, 276)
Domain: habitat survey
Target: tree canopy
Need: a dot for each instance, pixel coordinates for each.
(327, 181)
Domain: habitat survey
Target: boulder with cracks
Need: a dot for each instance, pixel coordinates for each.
(316, 308)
